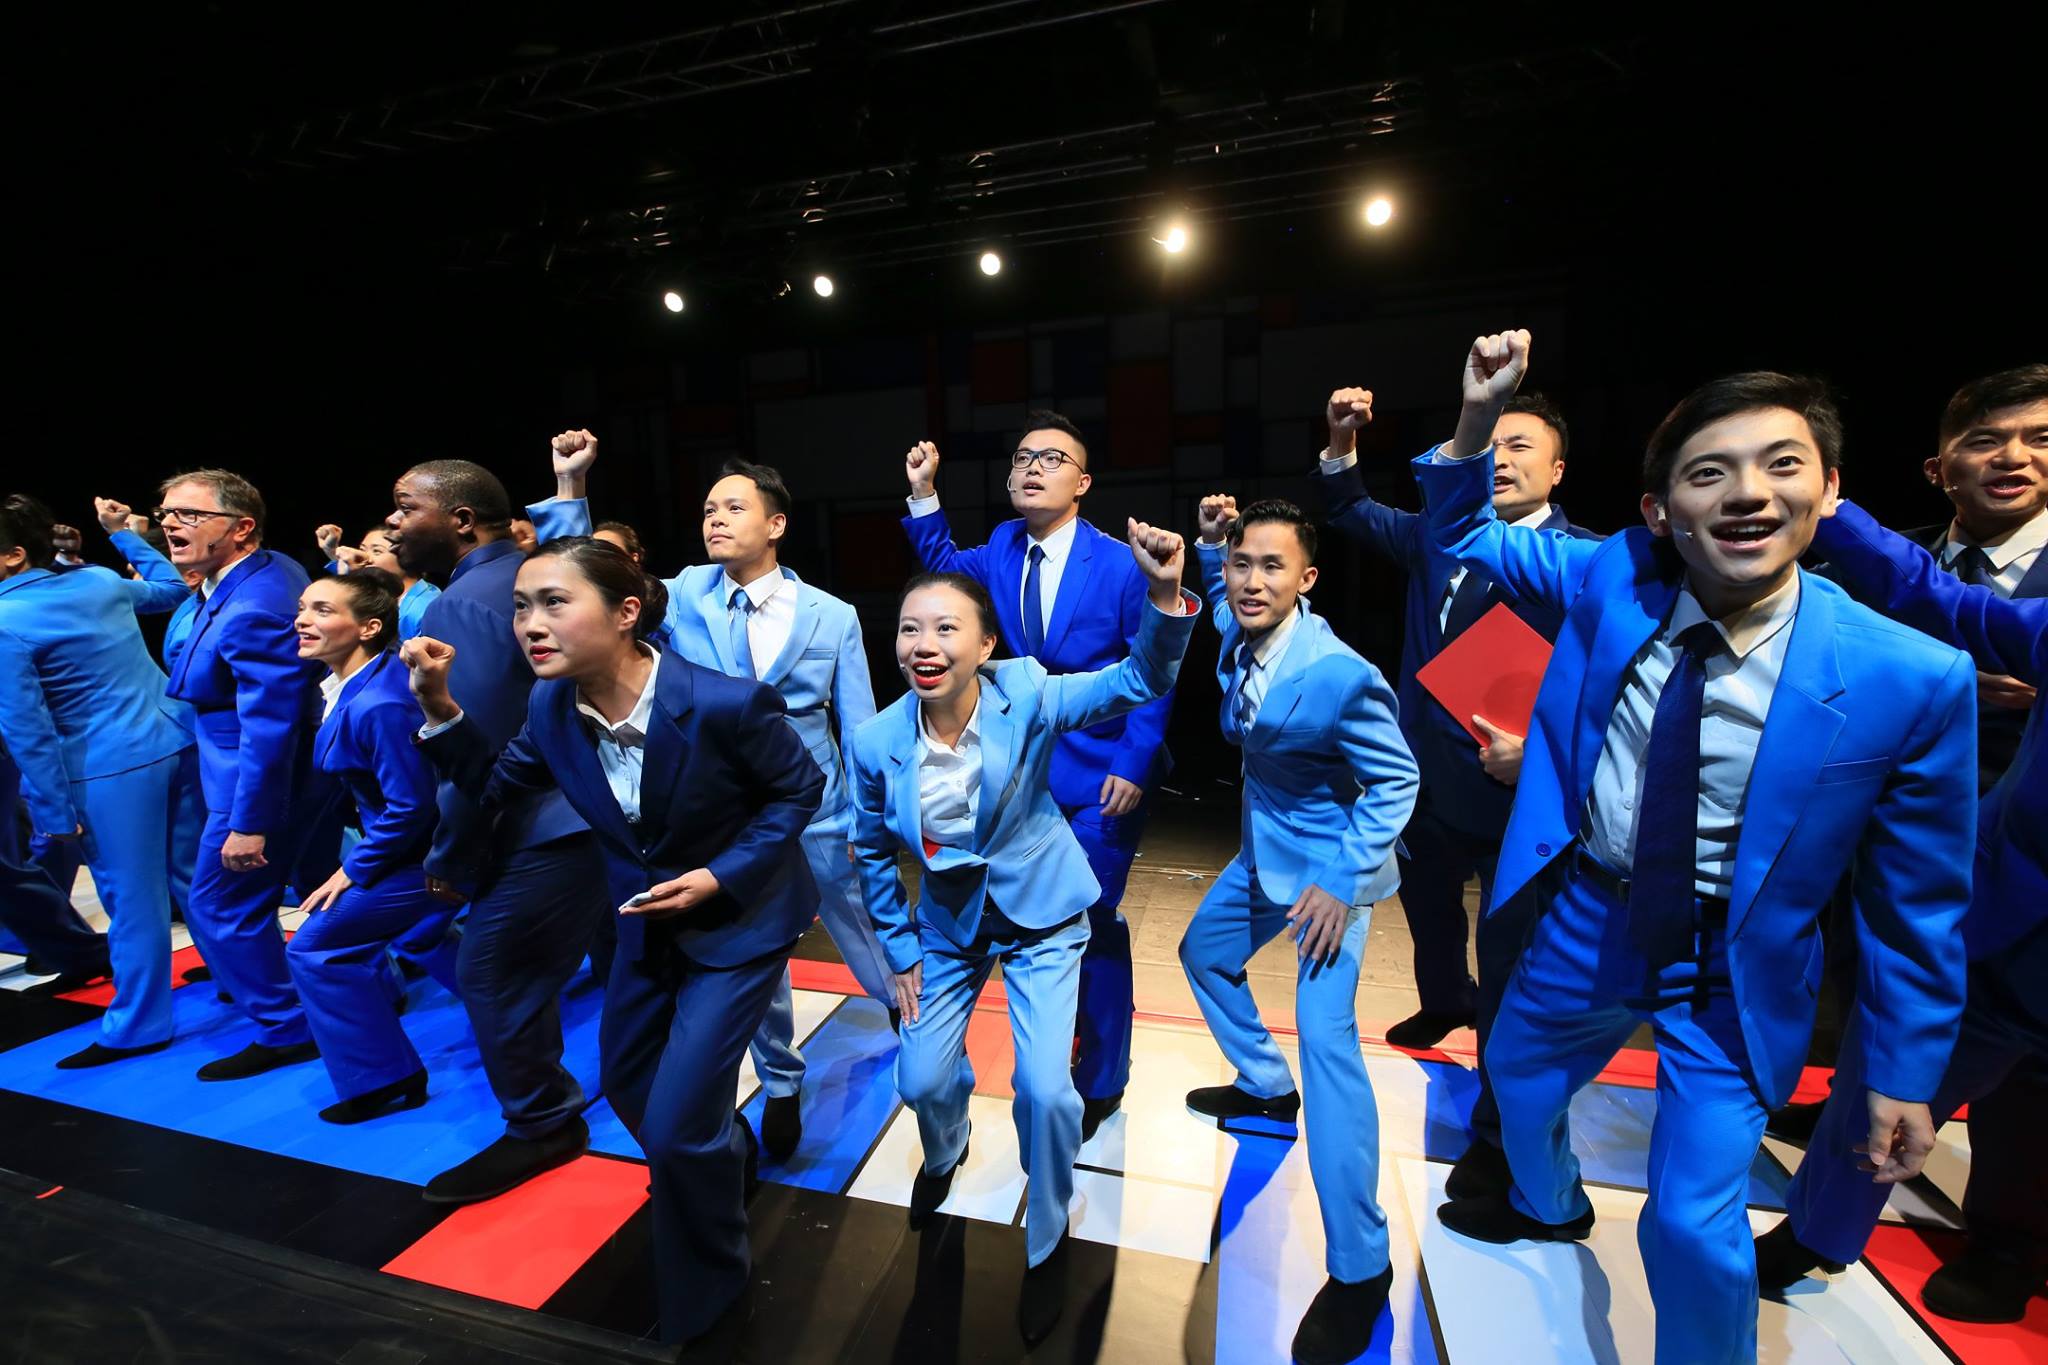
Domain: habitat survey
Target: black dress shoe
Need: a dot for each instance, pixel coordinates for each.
(750, 1168)
(1794, 1123)
(782, 1125)
(1481, 1172)
(1425, 1029)
(1093, 1112)
(1044, 1296)
(1984, 1284)
(1228, 1102)
(68, 981)
(507, 1164)
(928, 1191)
(200, 973)
(256, 1059)
(99, 1054)
(1338, 1325)
(1782, 1260)
(1498, 1221)
(409, 1093)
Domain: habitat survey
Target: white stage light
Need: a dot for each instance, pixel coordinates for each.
(823, 285)
(1175, 241)
(672, 301)
(991, 264)
(1379, 212)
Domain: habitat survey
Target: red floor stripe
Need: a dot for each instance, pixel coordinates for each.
(523, 1246)
(102, 994)
(1906, 1256)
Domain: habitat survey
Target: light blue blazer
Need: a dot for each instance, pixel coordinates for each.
(1329, 781)
(1022, 857)
(1868, 760)
(822, 672)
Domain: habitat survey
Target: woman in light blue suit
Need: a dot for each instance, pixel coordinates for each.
(379, 893)
(956, 774)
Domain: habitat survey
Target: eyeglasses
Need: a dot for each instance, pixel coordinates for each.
(186, 516)
(1050, 459)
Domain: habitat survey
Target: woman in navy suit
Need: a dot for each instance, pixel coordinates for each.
(380, 891)
(698, 790)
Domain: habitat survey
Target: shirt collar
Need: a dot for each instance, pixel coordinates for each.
(1744, 630)
(1059, 542)
(211, 583)
(759, 592)
(633, 729)
(1273, 643)
(1535, 518)
(971, 733)
(2030, 536)
(330, 687)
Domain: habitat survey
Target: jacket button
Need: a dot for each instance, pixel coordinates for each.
(1543, 850)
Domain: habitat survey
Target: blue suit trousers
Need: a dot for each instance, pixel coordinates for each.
(1102, 1066)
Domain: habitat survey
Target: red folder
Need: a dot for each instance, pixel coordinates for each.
(1491, 670)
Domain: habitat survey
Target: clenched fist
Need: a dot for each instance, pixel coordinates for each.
(328, 538)
(1159, 554)
(1495, 368)
(921, 467)
(1214, 516)
(1348, 413)
(428, 660)
(113, 515)
(574, 453)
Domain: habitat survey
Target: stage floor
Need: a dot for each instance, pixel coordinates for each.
(1194, 1243)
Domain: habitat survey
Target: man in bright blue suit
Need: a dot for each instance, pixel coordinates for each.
(1718, 739)
(1329, 783)
(535, 887)
(956, 774)
(746, 615)
(1067, 595)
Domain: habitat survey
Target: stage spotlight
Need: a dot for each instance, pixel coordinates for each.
(672, 301)
(1175, 241)
(823, 285)
(991, 264)
(1379, 211)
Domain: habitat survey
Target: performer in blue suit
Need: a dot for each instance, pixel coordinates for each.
(956, 774)
(1677, 890)
(698, 790)
(746, 615)
(338, 957)
(1833, 1205)
(1328, 784)
(536, 884)
(1067, 595)
(256, 705)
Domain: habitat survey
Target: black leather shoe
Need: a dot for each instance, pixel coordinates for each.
(1228, 1102)
(256, 1059)
(782, 1125)
(1794, 1123)
(1338, 1325)
(409, 1093)
(1044, 1296)
(507, 1164)
(99, 1054)
(1424, 1029)
(1984, 1284)
(1498, 1221)
(928, 1191)
(750, 1170)
(1481, 1173)
(200, 973)
(1782, 1260)
(67, 981)
(1093, 1112)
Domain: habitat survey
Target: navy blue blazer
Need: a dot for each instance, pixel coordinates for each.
(366, 743)
(1999, 728)
(1100, 605)
(1454, 786)
(727, 786)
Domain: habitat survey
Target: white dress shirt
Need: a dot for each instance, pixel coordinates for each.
(773, 616)
(622, 748)
(2010, 559)
(1266, 655)
(1058, 548)
(330, 689)
(949, 782)
(1741, 677)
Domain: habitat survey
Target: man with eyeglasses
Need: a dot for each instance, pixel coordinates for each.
(1070, 597)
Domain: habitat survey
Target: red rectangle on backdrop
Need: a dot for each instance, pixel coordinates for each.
(1492, 670)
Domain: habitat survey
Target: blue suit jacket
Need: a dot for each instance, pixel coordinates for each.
(1096, 614)
(2009, 898)
(257, 701)
(366, 742)
(491, 676)
(1328, 778)
(727, 787)
(1023, 856)
(1454, 785)
(162, 588)
(1867, 758)
(80, 697)
(822, 672)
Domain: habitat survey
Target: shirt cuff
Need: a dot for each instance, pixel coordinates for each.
(427, 732)
(1189, 604)
(1436, 454)
(923, 507)
(1337, 464)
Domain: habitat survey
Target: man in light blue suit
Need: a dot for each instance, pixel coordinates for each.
(956, 775)
(746, 615)
(82, 712)
(1329, 782)
(1718, 739)
(1066, 595)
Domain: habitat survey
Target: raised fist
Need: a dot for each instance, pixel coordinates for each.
(921, 467)
(114, 516)
(1495, 368)
(1217, 511)
(66, 540)
(1349, 412)
(328, 538)
(1159, 554)
(575, 452)
(428, 660)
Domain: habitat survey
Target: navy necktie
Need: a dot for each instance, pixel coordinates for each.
(1034, 609)
(1240, 701)
(1660, 896)
(1974, 566)
(742, 647)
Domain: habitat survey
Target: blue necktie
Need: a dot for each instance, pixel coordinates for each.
(742, 648)
(1973, 566)
(1239, 703)
(1660, 896)
(1034, 608)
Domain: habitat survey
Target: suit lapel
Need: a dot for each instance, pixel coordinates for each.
(717, 617)
(581, 776)
(1283, 694)
(1000, 735)
(2035, 582)
(904, 811)
(329, 733)
(211, 607)
(1468, 605)
(800, 631)
(661, 766)
(1008, 587)
(1626, 625)
(1074, 582)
